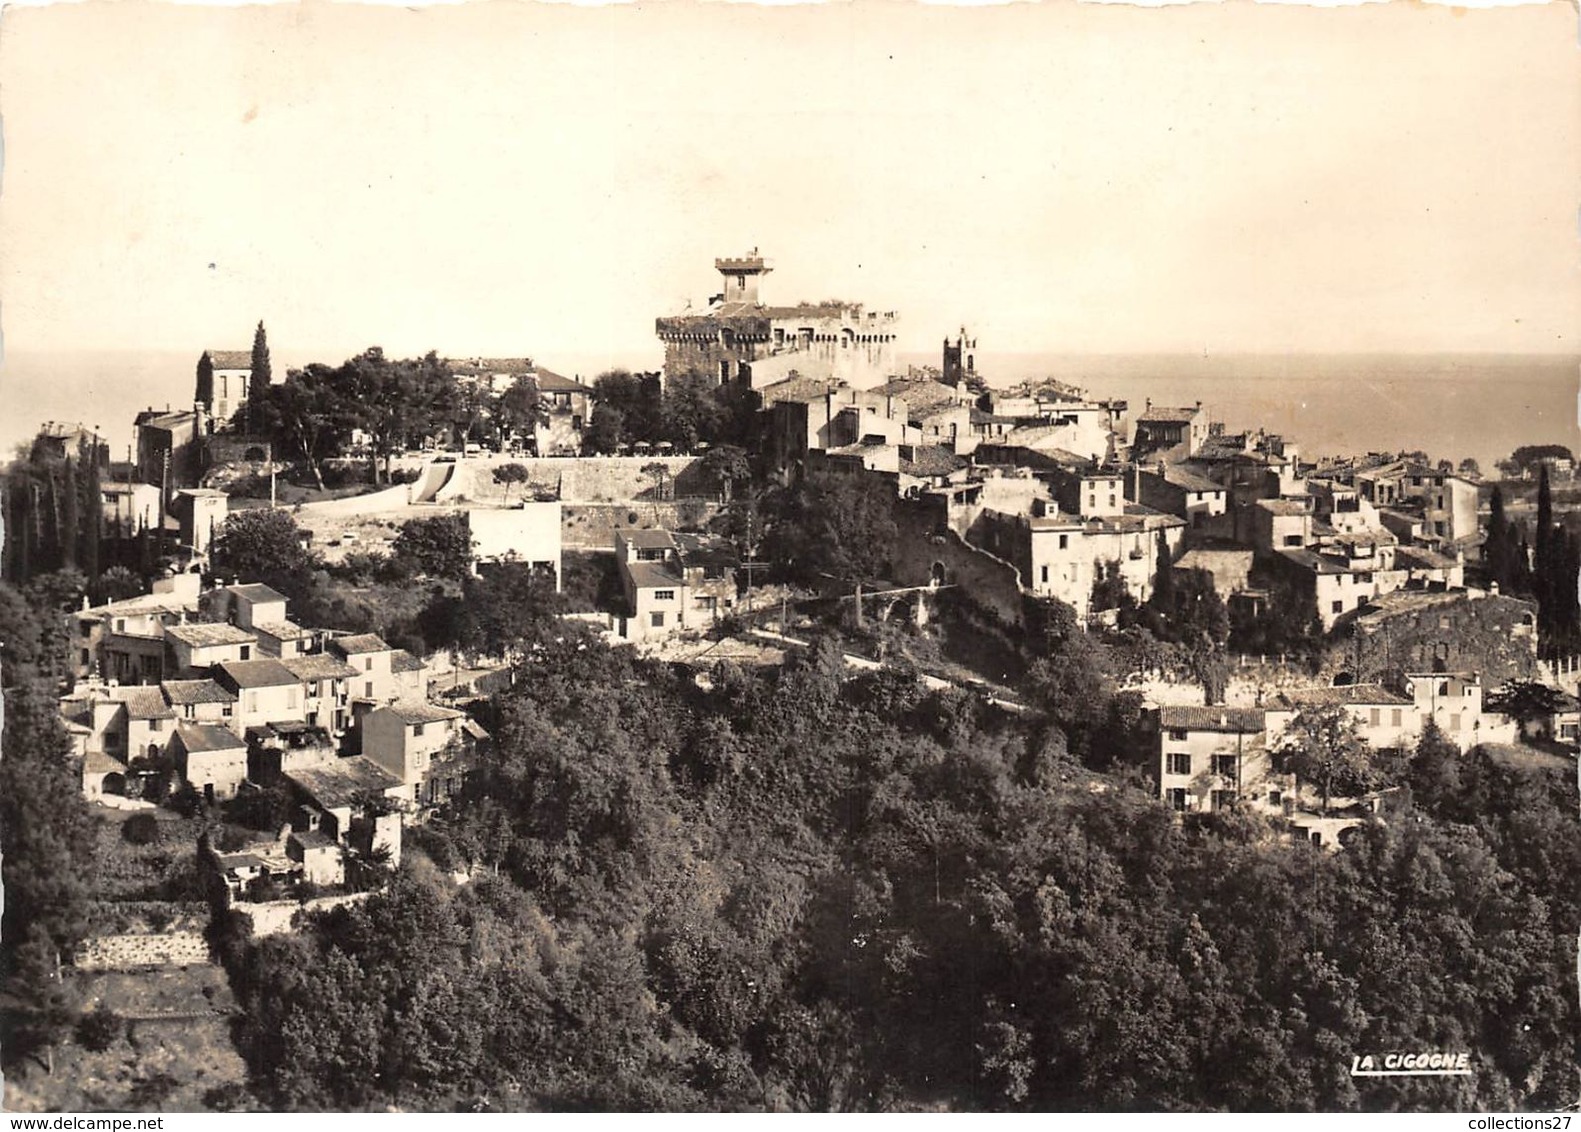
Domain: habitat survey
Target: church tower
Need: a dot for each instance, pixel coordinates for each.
(960, 361)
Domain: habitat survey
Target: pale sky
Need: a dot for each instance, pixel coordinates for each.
(502, 178)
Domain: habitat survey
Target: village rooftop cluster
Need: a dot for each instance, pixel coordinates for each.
(998, 493)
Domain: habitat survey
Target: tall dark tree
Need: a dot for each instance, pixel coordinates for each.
(1164, 579)
(70, 534)
(261, 377)
(1496, 549)
(93, 517)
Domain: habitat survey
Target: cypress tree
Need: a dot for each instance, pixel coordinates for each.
(260, 378)
(1546, 575)
(93, 525)
(70, 535)
(204, 391)
(49, 541)
(1164, 584)
(1496, 550)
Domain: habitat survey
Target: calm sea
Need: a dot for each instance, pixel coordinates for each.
(1450, 406)
(1482, 406)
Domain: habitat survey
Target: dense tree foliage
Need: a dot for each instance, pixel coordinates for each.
(311, 414)
(439, 546)
(46, 831)
(834, 527)
(264, 545)
(1323, 746)
(53, 514)
(686, 410)
(818, 891)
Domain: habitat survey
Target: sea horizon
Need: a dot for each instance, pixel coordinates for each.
(1483, 404)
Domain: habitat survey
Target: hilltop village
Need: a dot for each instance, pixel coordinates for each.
(394, 617)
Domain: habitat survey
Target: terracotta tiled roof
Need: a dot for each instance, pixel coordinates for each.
(1243, 721)
(359, 643)
(257, 673)
(403, 661)
(230, 359)
(1160, 414)
(257, 593)
(551, 382)
(339, 783)
(143, 702)
(931, 460)
(1365, 694)
(652, 575)
(196, 692)
(318, 667)
(796, 389)
(201, 634)
(207, 737)
(420, 711)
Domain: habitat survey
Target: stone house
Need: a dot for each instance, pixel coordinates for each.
(1212, 757)
(212, 760)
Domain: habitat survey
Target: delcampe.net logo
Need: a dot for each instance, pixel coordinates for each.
(1411, 1065)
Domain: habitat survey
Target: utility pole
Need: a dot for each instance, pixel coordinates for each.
(269, 451)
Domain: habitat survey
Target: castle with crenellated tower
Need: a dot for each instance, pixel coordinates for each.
(741, 339)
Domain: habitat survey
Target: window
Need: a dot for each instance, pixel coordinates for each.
(1374, 717)
(1443, 687)
(658, 620)
(1064, 542)
(1223, 799)
(1111, 501)
(417, 729)
(247, 652)
(156, 725)
(252, 701)
(1179, 763)
(367, 664)
(367, 689)
(663, 595)
(1276, 797)
(1045, 582)
(1226, 766)
(120, 624)
(1339, 606)
(1177, 800)
(1394, 718)
(85, 651)
(1176, 735)
(226, 711)
(1454, 722)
